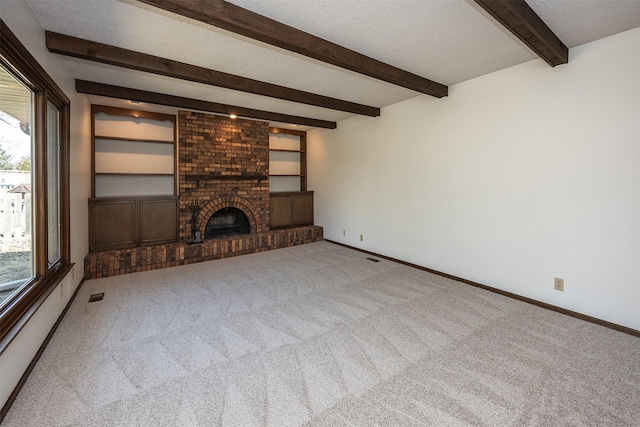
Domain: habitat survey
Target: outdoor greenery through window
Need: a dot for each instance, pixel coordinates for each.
(16, 207)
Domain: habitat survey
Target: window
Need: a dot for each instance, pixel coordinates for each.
(16, 207)
(53, 184)
(34, 199)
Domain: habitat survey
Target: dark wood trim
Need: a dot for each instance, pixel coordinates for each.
(134, 174)
(94, 110)
(241, 21)
(36, 358)
(176, 170)
(117, 111)
(217, 177)
(303, 162)
(35, 301)
(121, 138)
(93, 88)
(112, 55)
(65, 182)
(287, 131)
(518, 17)
(108, 200)
(10, 47)
(39, 182)
(19, 307)
(285, 151)
(531, 301)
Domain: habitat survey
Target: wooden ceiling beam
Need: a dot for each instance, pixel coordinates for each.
(241, 21)
(106, 54)
(93, 88)
(518, 17)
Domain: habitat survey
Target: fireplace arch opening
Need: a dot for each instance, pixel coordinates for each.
(227, 222)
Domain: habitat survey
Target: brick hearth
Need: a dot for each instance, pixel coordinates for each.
(122, 261)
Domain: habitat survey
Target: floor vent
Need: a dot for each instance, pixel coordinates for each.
(96, 297)
(373, 259)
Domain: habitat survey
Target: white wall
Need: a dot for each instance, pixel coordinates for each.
(517, 177)
(17, 15)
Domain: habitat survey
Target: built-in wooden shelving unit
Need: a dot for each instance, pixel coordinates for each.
(133, 179)
(287, 160)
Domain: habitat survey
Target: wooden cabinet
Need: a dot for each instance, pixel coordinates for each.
(281, 213)
(158, 219)
(302, 208)
(133, 179)
(287, 175)
(291, 209)
(126, 222)
(112, 224)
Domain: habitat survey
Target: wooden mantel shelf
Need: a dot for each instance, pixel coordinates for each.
(218, 177)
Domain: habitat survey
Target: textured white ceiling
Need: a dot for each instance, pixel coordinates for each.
(577, 22)
(448, 41)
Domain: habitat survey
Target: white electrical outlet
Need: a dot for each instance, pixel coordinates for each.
(344, 232)
(361, 238)
(558, 284)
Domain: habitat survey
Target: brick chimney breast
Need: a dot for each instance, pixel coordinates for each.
(222, 162)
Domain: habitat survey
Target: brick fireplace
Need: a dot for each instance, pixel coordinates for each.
(222, 163)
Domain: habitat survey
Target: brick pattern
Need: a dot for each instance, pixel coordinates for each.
(122, 261)
(210, 144)
(225, 202)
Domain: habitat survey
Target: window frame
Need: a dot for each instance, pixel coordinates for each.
(23, 304)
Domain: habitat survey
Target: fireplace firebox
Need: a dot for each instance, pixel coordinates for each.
(227, 222)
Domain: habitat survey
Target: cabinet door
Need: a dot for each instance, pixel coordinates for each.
(302, 206)
(280, 211)
(158, 221)
(112, 225)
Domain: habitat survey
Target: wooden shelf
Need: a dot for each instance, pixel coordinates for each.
(114, 199)
(283, 150)
(122, 138)
(288, 181)
(218, 177)
(133, 174)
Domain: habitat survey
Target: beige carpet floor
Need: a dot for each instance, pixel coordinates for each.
(318, 335)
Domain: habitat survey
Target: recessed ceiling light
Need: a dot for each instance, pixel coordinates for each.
(134, 102)
(232, 116)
